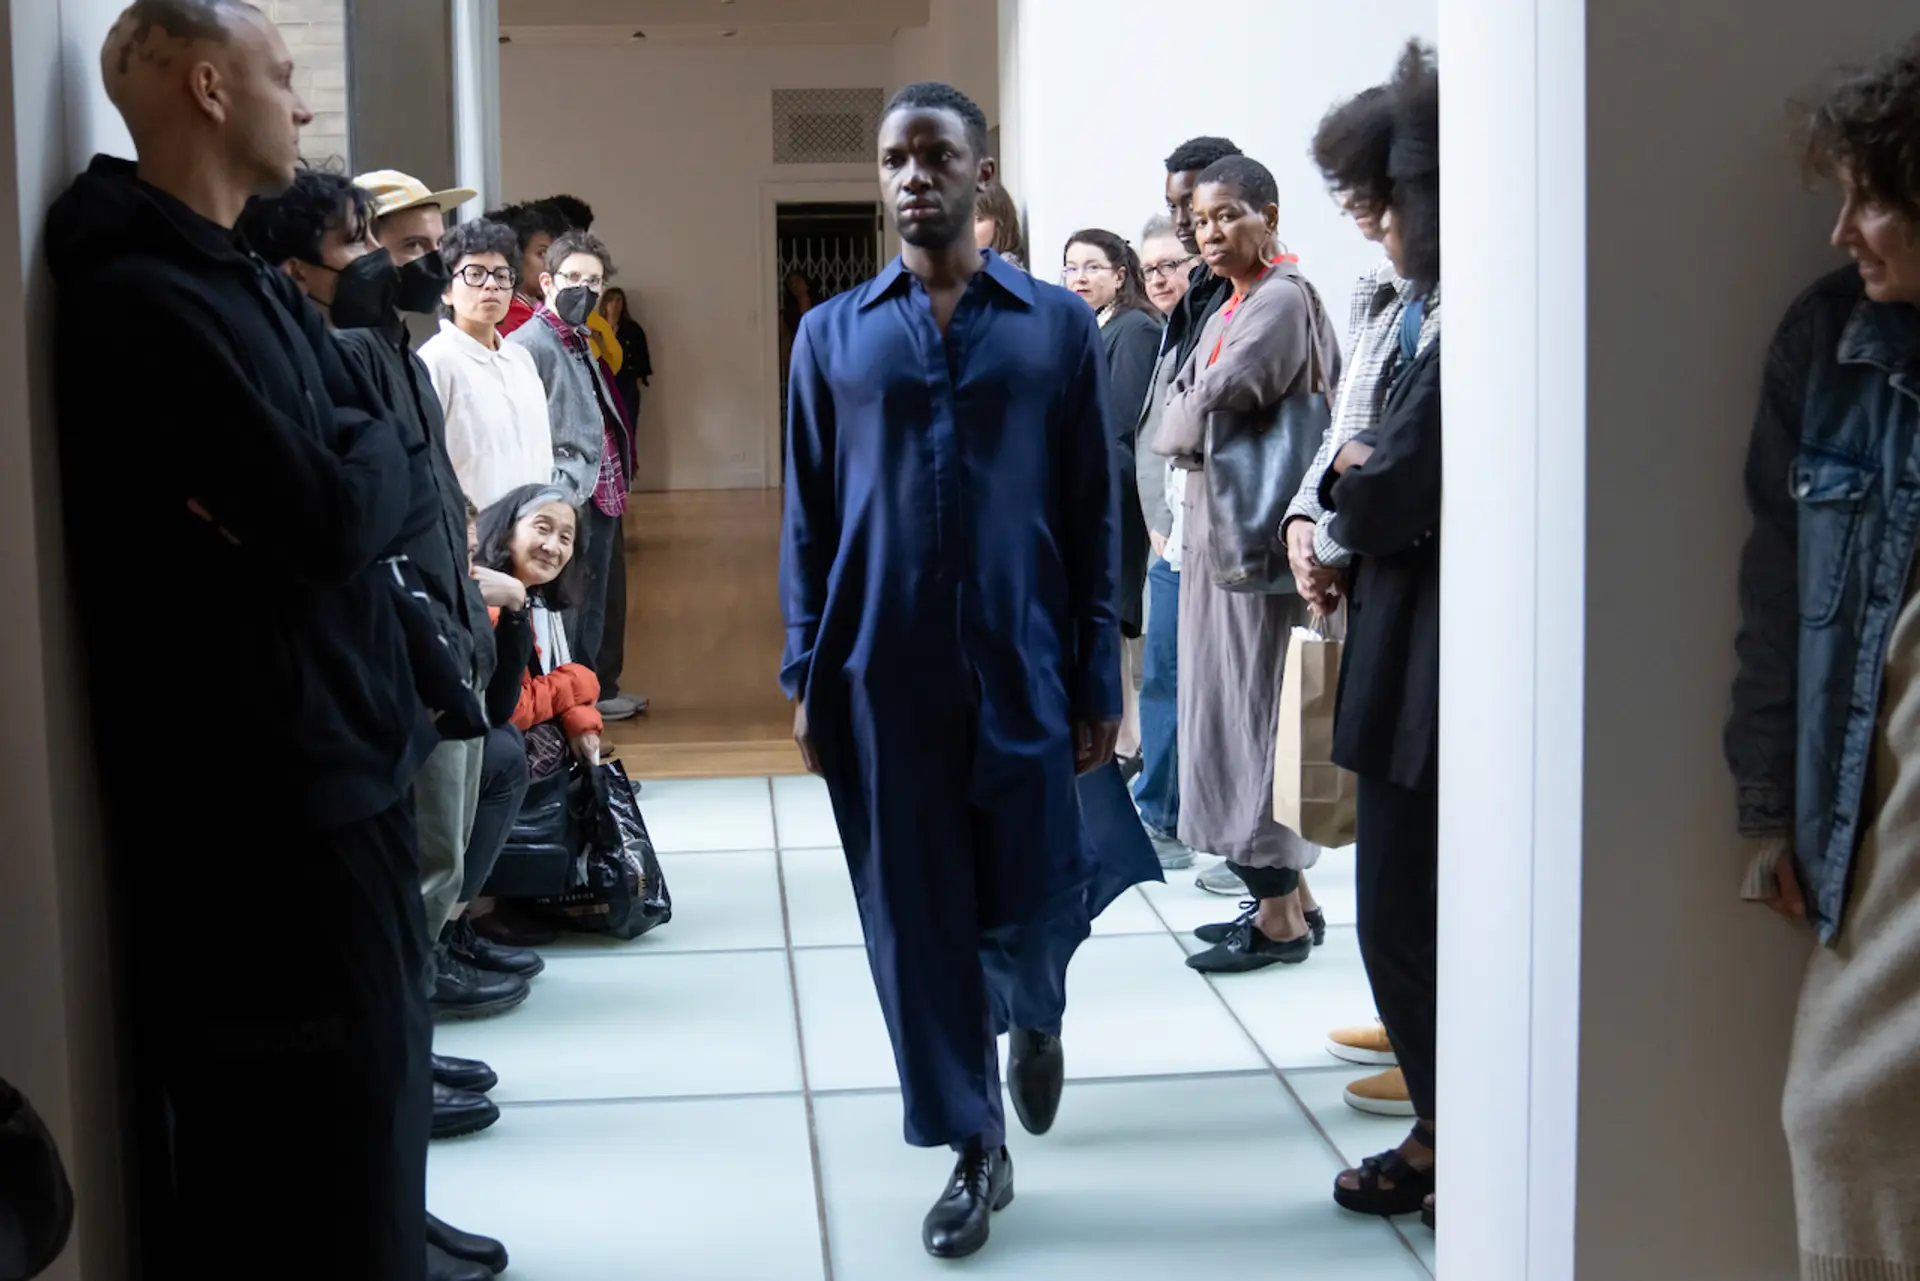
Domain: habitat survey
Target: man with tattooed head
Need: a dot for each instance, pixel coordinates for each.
(281, 1084)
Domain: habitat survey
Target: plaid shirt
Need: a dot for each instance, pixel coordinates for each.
(1373, 334)
(610, 491)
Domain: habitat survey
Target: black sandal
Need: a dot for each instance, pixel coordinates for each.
(1410, 1189)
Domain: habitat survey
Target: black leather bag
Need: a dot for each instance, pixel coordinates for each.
(1255, 463)
(625, 894)
(36, 1201)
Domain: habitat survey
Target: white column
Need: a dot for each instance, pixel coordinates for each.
(476, 100)
(55, 1024)
(1625, 225)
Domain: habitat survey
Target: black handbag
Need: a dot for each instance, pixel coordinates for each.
(624, 894)
(36, 1201)
(1256, 461)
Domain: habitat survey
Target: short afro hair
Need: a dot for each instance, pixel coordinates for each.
(1196, 154)
(1866, 131)
(577, 212)
(570, 243)
(529, 220)
(1353, 147)
(1414, 164)
(481, 236)
(289, 226)
(1246, 178)
(931, 95)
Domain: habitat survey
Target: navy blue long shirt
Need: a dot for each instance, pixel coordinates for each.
(952, 513)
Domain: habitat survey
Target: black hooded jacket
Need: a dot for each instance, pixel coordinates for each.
(230, 487)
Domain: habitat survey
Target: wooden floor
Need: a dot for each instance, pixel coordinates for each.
(704, 637)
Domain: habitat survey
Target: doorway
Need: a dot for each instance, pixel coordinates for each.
(821, 248)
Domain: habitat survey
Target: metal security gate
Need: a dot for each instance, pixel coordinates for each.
(821, 249)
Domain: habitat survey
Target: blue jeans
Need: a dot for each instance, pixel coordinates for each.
(1158, 788)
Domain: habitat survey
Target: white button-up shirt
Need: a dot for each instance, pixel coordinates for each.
(498, 435)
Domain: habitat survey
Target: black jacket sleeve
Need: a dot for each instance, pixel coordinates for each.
(513, 650)
(361, 375)
(1392, 501)
(325, 507)
(1130, 366)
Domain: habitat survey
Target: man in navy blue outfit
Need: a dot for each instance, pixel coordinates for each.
(949, 575)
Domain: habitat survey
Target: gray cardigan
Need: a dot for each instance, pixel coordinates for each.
(573, 408)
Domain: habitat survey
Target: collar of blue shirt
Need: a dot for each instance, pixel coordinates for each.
(1013, 282)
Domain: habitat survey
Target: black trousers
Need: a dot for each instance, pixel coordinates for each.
(282, 1092)
(612, 658)
(503, 785)
(1399, 850)
(586, 624)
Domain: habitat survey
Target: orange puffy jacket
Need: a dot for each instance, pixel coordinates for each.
(566, 694)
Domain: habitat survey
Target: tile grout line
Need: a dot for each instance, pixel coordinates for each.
(800, 1044)
(1285, 1084)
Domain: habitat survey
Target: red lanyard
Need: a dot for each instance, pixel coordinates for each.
(1233, 305)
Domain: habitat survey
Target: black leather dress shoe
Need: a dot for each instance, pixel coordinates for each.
(463, 1074)
(960, 1220)
(1036, 1071)
(442, 1266)
(485, 1251)
(485, 954)
(462, 992)
(458, 1113)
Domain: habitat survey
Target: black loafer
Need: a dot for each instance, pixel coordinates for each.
(485, 1251)
(442, 1266)
(458, 1113)
(959, 1223)
(463, 1074)
(1036, 1072)
(1246, 948)
(485, 954)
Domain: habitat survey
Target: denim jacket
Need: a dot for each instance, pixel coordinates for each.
(1833, 478)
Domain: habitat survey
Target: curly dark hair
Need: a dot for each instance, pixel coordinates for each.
(529, 220)
(1196, 154)
(1133, 279)
(289, 226)
(1246, 177)
(493, 530)
(1413, 164)
(1352, 148)
(577, 212)
(481, 236)
(931, 95)
(578, 242)
(1009, 238)
(1865, 133)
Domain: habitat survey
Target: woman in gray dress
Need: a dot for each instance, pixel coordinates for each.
(1233, 645)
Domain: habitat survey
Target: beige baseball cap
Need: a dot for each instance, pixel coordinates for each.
(395, 192)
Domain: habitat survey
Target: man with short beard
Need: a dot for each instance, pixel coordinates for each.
(279, 1078)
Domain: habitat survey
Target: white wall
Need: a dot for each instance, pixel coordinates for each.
(671, 146)
(1624, 227)
(55, 1030)
(960, 45)
(1094, 129)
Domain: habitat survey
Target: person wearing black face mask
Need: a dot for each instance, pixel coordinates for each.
(592, 439)
(326, 233)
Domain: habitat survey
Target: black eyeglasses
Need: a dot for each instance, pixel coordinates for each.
(474, 276)
(1164, 270)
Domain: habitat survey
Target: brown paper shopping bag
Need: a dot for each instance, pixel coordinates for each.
(1311, 795)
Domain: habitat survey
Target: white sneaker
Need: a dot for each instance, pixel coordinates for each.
(1221, 879)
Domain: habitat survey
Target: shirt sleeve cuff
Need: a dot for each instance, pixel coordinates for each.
(1761, 883)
